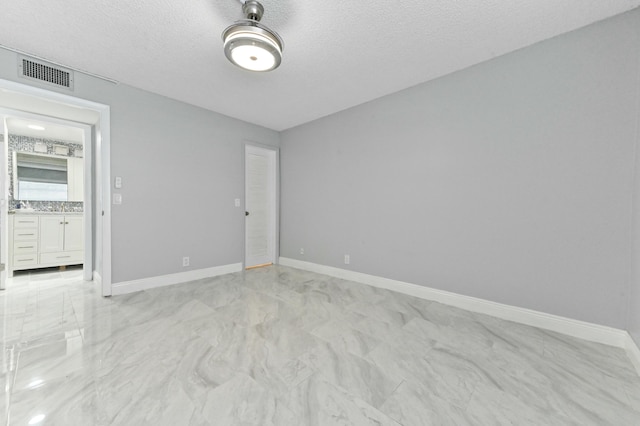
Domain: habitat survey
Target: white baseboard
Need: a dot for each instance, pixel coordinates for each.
(580, 329)
(180, 277)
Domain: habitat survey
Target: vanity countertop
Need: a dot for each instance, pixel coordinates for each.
(38, 212)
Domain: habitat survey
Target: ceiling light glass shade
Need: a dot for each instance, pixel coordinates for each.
(252, 46)
(249, 44)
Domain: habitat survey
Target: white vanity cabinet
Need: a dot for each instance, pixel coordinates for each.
(45, 240)
(60, 240)
(23, 236)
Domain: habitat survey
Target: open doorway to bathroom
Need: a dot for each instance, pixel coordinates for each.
(49, 206)
(55, 183)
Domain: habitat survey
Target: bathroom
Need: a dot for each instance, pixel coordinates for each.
(45, 195)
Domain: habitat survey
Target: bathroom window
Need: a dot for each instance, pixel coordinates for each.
(42, 191)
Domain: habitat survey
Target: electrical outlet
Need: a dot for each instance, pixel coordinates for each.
(185, 261)
(301, 251)
(347, 259)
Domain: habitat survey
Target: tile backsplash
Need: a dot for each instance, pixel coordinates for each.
(27, 144)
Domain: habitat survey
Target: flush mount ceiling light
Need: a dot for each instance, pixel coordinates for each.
(251, 45)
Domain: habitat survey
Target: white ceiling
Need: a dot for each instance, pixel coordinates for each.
(20, 126)
(337, 53)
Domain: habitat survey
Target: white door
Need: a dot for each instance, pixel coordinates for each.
(260, 206)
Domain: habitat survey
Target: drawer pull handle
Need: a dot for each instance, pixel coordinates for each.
(25, 260)
(62, 257)
(25, 246)
(24, 234)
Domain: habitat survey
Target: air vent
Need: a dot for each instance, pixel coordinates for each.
(45, 72)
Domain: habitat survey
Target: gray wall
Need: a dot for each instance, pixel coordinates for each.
(181, 166)
(510, 181)
(633, 318)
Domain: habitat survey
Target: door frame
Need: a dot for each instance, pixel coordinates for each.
(274, 156)
(101, 171)
(4, 217)
(87, 147)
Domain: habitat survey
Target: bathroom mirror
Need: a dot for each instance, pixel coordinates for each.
(38, 177)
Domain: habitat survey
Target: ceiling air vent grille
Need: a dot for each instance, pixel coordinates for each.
(45, 72)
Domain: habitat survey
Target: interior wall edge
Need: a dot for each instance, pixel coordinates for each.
(633, 302)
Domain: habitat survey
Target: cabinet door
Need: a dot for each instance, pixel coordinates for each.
(75, 179)
(51, 234)
(73, 233)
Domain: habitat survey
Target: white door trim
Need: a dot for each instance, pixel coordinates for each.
(102, 169)
(274, 184)
(4, 238)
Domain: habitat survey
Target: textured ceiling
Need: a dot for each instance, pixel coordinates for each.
(337, 54)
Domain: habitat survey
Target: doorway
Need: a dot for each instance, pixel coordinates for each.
(94, 120)
(46, 172)
(261, 212)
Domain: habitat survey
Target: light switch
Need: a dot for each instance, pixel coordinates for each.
(117, 198)
(237, 202)
(118, 183)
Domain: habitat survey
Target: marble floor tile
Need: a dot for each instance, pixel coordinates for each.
(632, 388)
(408, 305)
(11, 327)
(243, 401)
(342, 335)
(381, 330)
(358, 376)
(49, 362)
(218, 291)
(412, 404)
(317, 402)
(456, 336)
(145, 393)
(444, 374)
(587, 355)
(493, 406)
(67, 400)
(380, 312)
(280, 346)
(511, 336)
(579, 397)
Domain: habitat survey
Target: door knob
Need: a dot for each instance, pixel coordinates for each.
(246, 213)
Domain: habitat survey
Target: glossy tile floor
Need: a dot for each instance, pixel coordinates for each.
(280, 346)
